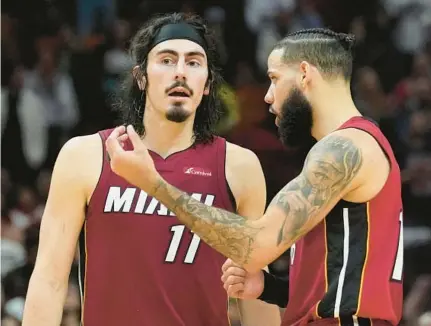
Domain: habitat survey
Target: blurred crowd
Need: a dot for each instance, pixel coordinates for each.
(59, 78)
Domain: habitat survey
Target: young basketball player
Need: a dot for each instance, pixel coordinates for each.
(139, 264)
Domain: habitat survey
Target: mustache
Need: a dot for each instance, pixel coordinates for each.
(179, 84)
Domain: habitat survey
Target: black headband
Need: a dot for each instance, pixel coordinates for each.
(179, 31)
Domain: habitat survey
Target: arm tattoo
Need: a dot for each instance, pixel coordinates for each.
(328, 170)
(226, 232)
(330, 166)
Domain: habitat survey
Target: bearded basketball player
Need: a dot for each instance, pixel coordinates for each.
(341, 216)
(139, 264)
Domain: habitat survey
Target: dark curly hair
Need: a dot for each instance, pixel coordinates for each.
(130, 102)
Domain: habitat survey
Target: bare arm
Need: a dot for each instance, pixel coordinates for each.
(247, 182)
(60, 227)
(330, 167)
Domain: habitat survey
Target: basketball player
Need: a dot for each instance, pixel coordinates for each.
(139, 264)
(341, 216)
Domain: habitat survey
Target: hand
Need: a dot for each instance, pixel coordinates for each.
(135, 166)
(241, 284)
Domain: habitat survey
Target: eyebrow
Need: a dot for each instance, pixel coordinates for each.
(188, 54)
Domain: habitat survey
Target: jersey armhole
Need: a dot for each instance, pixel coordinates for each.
(226, 191)
(105, 160)
(388, 157)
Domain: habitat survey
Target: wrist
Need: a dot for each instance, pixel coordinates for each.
(157, 184)
(275, 290)
(261, 287)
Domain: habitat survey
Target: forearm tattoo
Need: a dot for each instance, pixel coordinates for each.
(330, 166)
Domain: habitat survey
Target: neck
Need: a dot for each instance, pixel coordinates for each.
(165, 137)
(333, 106)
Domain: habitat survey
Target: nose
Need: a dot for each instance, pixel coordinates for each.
(269, 98)
(180, 70)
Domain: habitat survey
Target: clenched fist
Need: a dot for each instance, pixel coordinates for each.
(239, 283)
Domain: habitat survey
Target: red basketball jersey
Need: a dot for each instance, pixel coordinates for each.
(139, 265)
(348, 270)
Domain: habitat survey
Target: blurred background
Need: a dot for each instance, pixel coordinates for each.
(60, 66)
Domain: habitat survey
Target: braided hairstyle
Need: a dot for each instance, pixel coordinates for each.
(130, 101)
(329, 51)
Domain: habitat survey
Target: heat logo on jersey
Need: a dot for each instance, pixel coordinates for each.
(122, 201)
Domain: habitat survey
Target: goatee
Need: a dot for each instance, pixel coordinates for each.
(177, 113)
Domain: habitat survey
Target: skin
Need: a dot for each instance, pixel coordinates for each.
(78, 167)
(345, 164)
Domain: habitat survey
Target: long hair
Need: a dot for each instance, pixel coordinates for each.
(131, 100)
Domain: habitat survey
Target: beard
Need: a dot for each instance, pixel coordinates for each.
(177, 113)
(296, 120)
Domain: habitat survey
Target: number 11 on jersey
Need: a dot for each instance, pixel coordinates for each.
(178, 231)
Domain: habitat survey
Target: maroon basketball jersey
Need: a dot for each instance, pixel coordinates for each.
(140, 266)
(348, 270)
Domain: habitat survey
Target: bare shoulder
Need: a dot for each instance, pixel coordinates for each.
(80, 151)
(82, 145)
(246, 180)
(240, 157)
(353, 155)
(81, 160)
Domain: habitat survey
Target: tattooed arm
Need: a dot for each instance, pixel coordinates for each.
(328, 174)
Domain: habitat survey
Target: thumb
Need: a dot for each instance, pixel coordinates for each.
(134, 138)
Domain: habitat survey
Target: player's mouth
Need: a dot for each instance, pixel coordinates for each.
(179, 92)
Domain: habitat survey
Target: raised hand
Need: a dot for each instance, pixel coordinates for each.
(135, 166)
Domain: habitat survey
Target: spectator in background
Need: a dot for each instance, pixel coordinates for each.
(216, 17)
(306, 16)
(272, 29)
(282, 18)
(117, 60)
(42, 185)
(47, 111)
(13, 310)
(72, 306)
(16, 281)
(369, 95)
(13, 253)
(413, 23)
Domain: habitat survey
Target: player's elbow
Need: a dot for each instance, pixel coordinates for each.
(48, 279)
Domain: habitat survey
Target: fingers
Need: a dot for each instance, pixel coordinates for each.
(113, 145)
(233, 271)
(234, 286)
(122, 139)
(117, 132)
(232, 280)
(134, 137)
(236, 290)
(229, 263)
